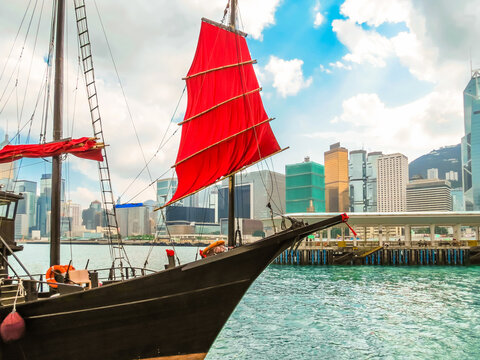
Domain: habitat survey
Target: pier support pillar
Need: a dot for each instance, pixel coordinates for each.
(478, 235)
(343, 233)
(329, 234)
(408, 235)
(457, 232)
(380, 235)
(432, 233)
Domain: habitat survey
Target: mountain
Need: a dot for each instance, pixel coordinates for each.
(445, 159)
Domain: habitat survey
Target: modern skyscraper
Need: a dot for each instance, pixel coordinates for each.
(451, 175)
(372, 178)
(357, 178)
(429, 195)
(392, 183)
(305, 187)
(133, 220)
(6, 170)
(28, 205)
(471, 143)
(336, 179)
(362, 175)
(432, 173)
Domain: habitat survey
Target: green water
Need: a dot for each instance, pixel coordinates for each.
(308, 312)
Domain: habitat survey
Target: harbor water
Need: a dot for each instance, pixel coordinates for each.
(330, 312)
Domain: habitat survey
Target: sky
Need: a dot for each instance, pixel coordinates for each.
(371, 74)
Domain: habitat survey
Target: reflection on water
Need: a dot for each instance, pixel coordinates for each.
(309, 312)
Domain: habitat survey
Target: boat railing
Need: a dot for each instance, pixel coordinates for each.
(34, 286)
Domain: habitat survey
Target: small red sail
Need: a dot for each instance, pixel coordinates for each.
(226, 127)
(84, 147)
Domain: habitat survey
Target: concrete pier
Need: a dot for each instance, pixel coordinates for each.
(380, 255)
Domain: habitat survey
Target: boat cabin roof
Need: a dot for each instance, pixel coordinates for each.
(8, 202)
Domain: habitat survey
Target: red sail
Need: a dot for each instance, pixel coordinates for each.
(85, 147)
(226, 127)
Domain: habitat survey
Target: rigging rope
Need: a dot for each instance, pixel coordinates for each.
(162, 144)
(123, 91)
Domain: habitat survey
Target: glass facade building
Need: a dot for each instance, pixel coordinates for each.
(362, 175)
(305, 187)
(471, 143)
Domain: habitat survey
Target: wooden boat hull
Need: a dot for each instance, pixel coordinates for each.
(172, 314)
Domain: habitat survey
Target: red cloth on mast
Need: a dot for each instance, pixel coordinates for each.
(204, 136)
(86, 148)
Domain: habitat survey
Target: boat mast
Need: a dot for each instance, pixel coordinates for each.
(57, 135)
(231, 178)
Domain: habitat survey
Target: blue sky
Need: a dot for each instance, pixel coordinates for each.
(383, 76)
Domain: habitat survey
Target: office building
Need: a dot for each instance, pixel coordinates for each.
(458, 201)
(93, 216)
(357, 179)
(392, 183)
(432, 173)
(471, 143)
(133, 219)
(451, 175)
(7, 174)
(28, 205)
(372, 179)
(429, 195)
(336, 179)
(362, 175)
(305, 187)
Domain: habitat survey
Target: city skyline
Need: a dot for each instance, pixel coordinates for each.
(394, 84)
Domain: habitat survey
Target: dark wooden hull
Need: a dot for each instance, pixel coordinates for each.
(174, 312)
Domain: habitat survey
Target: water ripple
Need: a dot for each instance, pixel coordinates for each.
(356, 313)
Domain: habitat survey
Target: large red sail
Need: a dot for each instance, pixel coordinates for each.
(86, 148)
(226, 127)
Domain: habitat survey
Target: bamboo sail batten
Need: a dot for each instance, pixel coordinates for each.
(220, 68)
(218, 105)
(222, 178)
(222, 141)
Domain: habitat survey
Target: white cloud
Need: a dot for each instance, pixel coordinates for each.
(151, 57)
(340, 65)
(288, 77)
(319, 18)
(376, 12)
(257, 15)
(417, 127)
(364, 46)
(324, 69)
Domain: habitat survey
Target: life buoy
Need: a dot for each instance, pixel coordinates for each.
(50, 275)
(210, 247)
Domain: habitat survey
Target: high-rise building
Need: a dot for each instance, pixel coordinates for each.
(362, 175)
(305, 187)
(471, 143)
(429, 195)
(451, 175)
(458, 202)
(392, 183)
(28, 205)
(7, 174)
(357, 178)
(336, 179)
(133, 220)
(93, 216)
(432, 173)
(372, 178)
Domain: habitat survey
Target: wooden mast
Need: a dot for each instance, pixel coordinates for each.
(57, 135)
(231, 179)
